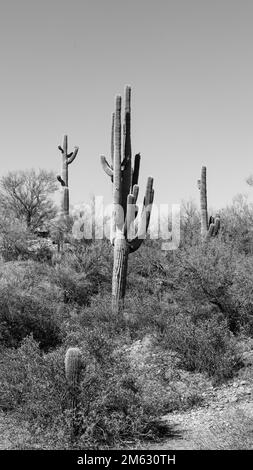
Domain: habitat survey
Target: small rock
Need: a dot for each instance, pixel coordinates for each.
(233, 399)
(241, 390)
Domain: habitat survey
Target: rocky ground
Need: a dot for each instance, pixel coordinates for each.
(224, 421)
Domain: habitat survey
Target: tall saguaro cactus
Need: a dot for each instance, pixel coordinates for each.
(203, 202)
(127, 234)
(208, 228)
(67, 159)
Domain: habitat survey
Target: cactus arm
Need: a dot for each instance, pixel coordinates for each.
(129, 232)
(117, 181)
(64, 171)
(135, 244)
(112, 139)
(65, 144)
(60, 148)
(214, 227)
(135, 192)
(126, 164)
(145, 217)
(106, 167)
(149, 195)
(72, 156)
(135, 195)
(61, 180)
(136, 170)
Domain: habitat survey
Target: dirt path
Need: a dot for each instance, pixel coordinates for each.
(222, 420)
(226, 422)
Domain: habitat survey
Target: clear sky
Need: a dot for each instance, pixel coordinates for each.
(190, 65)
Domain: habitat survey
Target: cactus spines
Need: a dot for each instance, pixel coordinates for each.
(67, 159)
(126, 235)
(73, 366)
(203, 202)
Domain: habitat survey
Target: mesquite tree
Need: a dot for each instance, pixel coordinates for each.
(208, 228)
(128, 231)
(26, 196)
(67, 159)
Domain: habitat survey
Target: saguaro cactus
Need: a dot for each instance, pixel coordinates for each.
(203, 202)
(67, 159)
(73, 366)
(127, 235)
(208, 228)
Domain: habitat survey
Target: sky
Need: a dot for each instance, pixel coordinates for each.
(190, 66)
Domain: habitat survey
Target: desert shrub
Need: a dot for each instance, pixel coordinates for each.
(146, 315)
(110, 404)
(142, 315)
(17, 242)
(237, 219)
(76, 287)
(14, 239)
(204, 346)
(83, 272)
(28, 304)
(208, 274)
(241, 292)
(31, 381)
(189, 223)
(40, 250)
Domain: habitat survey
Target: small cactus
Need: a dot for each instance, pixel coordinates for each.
(73, 366)
(73, 362)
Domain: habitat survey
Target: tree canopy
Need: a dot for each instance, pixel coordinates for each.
(27, 196)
